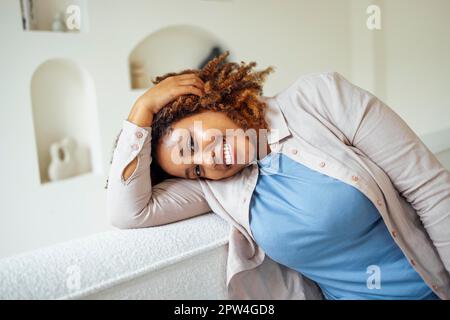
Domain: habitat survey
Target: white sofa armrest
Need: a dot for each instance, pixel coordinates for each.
(182, 260)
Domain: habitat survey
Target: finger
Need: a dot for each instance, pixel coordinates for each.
(189, 76)
(189, 90)
(192, 82)
(186, 76)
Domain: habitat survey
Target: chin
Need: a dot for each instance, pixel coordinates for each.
(234, 170)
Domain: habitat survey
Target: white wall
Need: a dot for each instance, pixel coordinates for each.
(415, 62)
(295, 36)
(407, 63)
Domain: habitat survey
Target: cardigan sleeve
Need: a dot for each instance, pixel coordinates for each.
(384, 137)
(134, 203)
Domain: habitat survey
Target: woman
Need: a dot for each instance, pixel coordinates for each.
(330, 195)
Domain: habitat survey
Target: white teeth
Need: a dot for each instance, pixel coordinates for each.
(227, 153)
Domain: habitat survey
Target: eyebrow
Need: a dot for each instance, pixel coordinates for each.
(188, 169)
(182, 149)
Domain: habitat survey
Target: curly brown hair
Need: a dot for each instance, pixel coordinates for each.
(230, 88)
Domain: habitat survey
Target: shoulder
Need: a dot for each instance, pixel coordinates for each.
(319, 79)
(319, 87)
(323, 95)
(311, 82)
(321, 76)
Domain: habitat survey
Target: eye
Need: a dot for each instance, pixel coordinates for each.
(191, 144)
(197, 171)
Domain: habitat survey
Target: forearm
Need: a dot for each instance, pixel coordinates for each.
(141, 116)
(128, 194)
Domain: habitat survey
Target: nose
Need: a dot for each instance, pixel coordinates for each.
(209, 158)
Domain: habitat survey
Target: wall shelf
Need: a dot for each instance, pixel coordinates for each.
(68, 16)
(170, 49)
(64, 107)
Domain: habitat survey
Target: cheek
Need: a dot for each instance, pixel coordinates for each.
(245, 149)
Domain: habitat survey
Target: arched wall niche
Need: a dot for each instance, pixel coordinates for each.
(65, 120)
(172, 49)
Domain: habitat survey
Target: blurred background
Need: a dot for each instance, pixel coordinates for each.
(70, 71)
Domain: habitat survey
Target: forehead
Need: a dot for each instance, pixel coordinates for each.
(207, 117)
(202, 125)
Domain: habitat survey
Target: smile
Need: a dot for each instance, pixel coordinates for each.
(227, 154)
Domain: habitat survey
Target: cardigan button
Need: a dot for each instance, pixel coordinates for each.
(294, 151)
(379, 202)
(322, 164)
(139, 134)
(435, 287)
(394, 233)
(355, 178)
(413, 262)
(135, 147)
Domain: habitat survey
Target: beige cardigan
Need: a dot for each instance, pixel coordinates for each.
(332, 126)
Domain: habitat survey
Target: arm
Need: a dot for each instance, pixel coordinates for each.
(132, 202)
(387, 140)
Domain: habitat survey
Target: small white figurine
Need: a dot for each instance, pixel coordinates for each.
(63, 162)
(58, 23)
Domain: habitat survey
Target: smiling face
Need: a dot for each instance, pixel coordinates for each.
(207, 145)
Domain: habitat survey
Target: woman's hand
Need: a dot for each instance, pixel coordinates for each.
(161, 94)
(169, 89)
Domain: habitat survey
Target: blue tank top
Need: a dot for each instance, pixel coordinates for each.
(330, 232)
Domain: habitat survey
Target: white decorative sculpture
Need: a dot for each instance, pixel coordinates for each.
(63, 162)
(58, 23)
